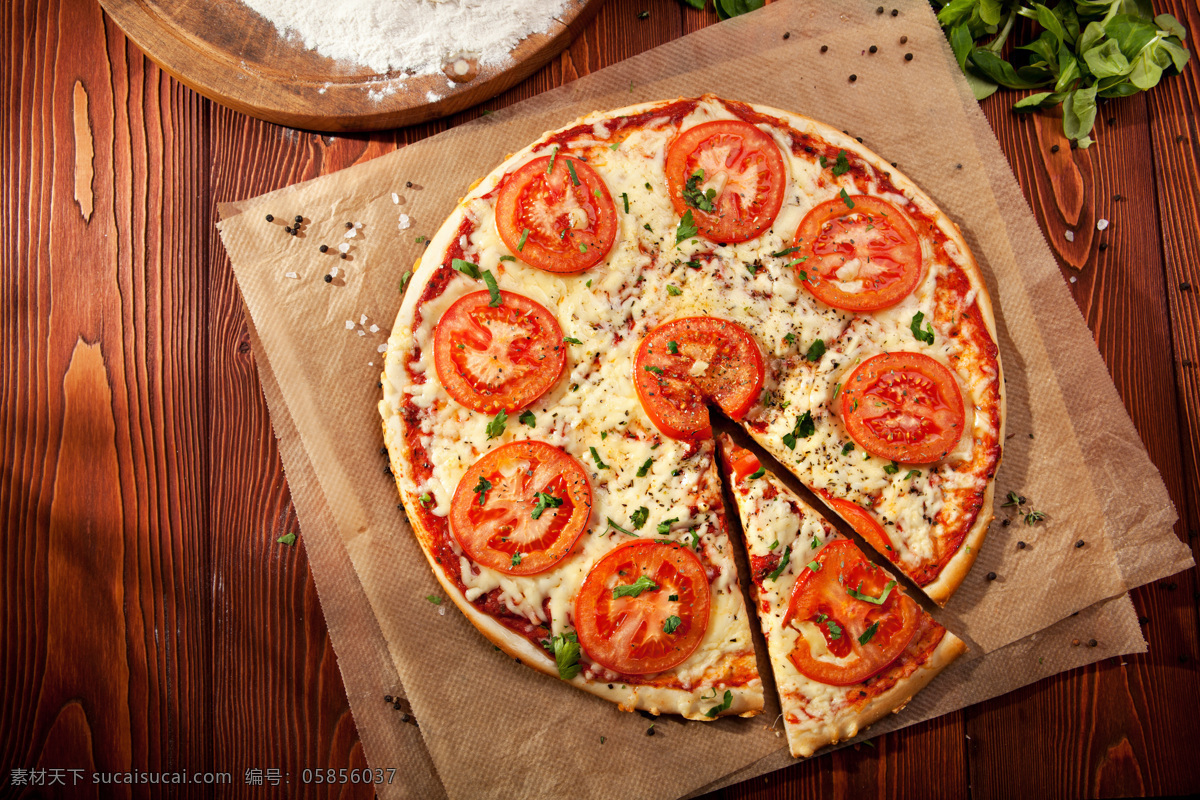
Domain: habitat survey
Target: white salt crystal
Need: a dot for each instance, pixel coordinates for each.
(290, 275)
(333, 271)
(395, 198)
(1073, 279)
(349, 324)
(350, 234)
(1101, 224)
(1069, 236)
(381, 349)
(362, 320)
(362, 333)
(374, 329)
(405, 222)
(344, 246)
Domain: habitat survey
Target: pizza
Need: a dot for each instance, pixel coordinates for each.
(591, 302)
(846, 644)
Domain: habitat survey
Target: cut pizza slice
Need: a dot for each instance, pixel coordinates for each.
(846, 644)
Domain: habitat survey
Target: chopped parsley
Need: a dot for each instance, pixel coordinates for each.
(655, 370)
(481, 489)
(790, 338)
(869, 633)
(673, 347)
(433, 598)
(466, 268)
(843, 164)
(695, 539)
(571, 340)
(404, 279)
(596, 456)
(566, 655)
(493, 289)
(724, 705)
(673, 290)
(805, 427)
(634, 589)
(639, 517)
(846, 199)
(866, 598)
(516, 559)
(786, 252)
(912, 473)
(815, 544)
(612, 524)
(673, 622)
(847, 448)
(528, 418)
(664, 527)
(645, 468)
(496, 426)
(783, 562)
(816, 350)
(524, 237)
(892, 468)
(926, 335)
(687, 228)
(544, 500)
(702, 201)
(288, 538)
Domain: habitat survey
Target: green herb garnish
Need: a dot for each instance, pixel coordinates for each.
(496, 426)
(926, 335)
(544, 500)
(634, 589)
(639, 517)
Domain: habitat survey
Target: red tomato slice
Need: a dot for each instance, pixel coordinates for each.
(504, 513)
(863, 524)
(561, 219)
(742, 463)
(743, 168)
(503, 358)
(629, 633)
(848, 639)
(860, 259)
(903, 406)
(713, 360)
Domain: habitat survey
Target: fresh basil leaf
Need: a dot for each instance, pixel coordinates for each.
(866, 598)
(288, 538)
(1079, 112)
(639, 517)
(634, 589)
(1092, 35)
(816, 350)
(955, 12)
(672, 624)
(566, 654)
(496, 426)
(999, 70)
(687, 228)
(869, 633)
(961, 43)
(1038, 100)
(596, 457)
(481, 489)
(1107, 60)
(1166, 22)
(644, 469)
(920, 335)
(545, 500)
(466, 268)
(528, 418)
(493, 289)
(783, 562)
(724, 706)
(758, 473)
(989, 12)
(664, 527)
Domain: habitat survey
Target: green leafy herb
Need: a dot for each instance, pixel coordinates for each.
(805, 427)
(481, 489)
(858, 595)
(664, 527)
(673, 348)
(869, 633)
(466, 268)
(524, 238)
(790, 338)
(550, 166)
(544, 500)
(493, 289)
(814, 565)
(673, 290)
(639, 517)
(496, 426)
(1013, 499)
(425, 500)
(892, 468)
(612, 524)
(846, 199)
(671, 624)
(843, 164)
(566, 655)
(815, 544)
(1032, 517)
(824, 162)
(783, 562)
(433, 598)
(835, 630)
(1083, 51)
(571, 340)
(912, 473)
(404, 279)
(528, 418)
(695, 543)
(695, 198)
(727, 700)
(816, 350)
(596, 456)
(758, 473)
(655, 370)
(634, 589)
(571, 169)
(926, 335)
(687, 228)
(288, 538)
(516, 559)
(625, 197)
(508, 258)
(645, 468)
(846, 448)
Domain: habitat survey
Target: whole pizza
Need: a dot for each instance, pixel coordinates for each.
(548, 389)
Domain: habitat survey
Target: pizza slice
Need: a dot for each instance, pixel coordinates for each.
(846, 644)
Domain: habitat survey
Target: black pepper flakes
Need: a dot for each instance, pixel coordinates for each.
(991, 576)
(1005, 523)
(1079, 543)
(908, 56)
(270, 218)
(853, 78)
(873, 49)
(328, 278)
(787, 35)
(824, 48)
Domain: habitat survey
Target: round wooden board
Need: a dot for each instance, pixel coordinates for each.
(228, 53)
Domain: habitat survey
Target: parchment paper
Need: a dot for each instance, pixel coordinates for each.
(494, 728)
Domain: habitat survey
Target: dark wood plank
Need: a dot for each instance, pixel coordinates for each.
(105, 655)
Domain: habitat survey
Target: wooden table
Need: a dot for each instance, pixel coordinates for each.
(150, 621)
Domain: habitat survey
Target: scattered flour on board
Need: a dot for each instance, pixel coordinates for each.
(418, 36)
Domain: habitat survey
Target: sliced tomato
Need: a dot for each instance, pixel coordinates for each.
(741, 166)
(683, 364)
(502, 358)
(651, 630)
(743, 463)
(861, 259)
(844, 639)
(903, 406)
(863, 524)
(521, 508)
(559, 219)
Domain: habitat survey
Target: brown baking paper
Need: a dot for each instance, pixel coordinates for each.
(495, 728)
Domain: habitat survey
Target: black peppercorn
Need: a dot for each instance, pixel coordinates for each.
(908, 56)
(329, 279)
(879, 10)
(1006, 523)
(853, 78)
(991, 576)
(903, 40)
(1103, 246)
(824, 48)
(895, 12)
(1143, 620)
(1092, 643)
(349, 225)
(295, 231)
(650, 731)
(1185, 287)
(396, 705)
(873, 49)
(1079, 543)
(787, 35)
(1021, 545)
(408, 184)
(387, 470)
(403, 717)
(324, 248)
(387, 698)
(270, 218)
(299, 218)
(287, 228)
(1054, 148)
(345, 256)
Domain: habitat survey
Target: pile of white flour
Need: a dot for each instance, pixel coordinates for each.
(411, 35)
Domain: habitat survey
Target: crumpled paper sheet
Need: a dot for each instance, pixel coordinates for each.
(494, 728)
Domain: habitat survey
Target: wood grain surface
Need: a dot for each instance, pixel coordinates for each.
(150, 621)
